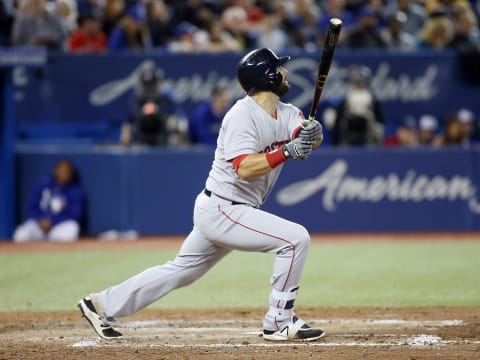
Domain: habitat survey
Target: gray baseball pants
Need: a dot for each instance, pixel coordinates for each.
(219, 227)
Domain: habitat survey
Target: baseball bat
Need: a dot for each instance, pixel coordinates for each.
(327, 56)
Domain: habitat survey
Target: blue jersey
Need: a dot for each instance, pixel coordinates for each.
(57, 203)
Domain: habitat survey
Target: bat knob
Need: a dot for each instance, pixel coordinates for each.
(335, 24)
(335, 21)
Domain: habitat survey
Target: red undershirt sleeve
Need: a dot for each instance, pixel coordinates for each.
(274, 158)
(296, 132)
(237, 161)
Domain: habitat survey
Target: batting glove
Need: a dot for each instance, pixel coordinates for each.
(311, 131)
(297, 149)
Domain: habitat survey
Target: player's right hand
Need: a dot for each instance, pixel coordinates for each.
(297, 149)
(311, 131)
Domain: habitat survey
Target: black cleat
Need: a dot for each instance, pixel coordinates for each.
(99, 324)
(296, 329)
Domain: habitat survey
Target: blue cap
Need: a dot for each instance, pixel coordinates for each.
(183, 29)
(138, 13)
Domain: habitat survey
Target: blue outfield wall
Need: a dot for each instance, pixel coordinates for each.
(336, 190)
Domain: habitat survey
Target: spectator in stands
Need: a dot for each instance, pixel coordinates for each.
(113, 12)
(56, 208)
(467, 125)
(253, 9)
(367, 33)
(206, 120)
(452, 132)
(155, 119)
(300, 23)
(67, 12)
(271, 35)
(131, 32)
(405, 134)
(198, 13)
(437, 33)
(427, 127)
(394, 35)
(359, 117)
(448, 6)
(6, 23)
(35, 26)
(220, 40)
(336, 8)
(94, 7)
(183, 39)
(234, 20)
(160, 23)
(415, 13)
(467, 33)
(213, 38)
(88, 38)
(466, 41)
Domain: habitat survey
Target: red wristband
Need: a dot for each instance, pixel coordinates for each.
(275, 158)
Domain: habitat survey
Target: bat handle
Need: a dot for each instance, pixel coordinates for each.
(307, 121)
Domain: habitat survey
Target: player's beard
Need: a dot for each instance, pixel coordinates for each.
(282, 89)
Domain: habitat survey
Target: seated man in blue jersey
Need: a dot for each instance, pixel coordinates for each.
(56, 208)
(206, 120)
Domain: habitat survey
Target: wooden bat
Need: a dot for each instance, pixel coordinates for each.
(327, 56)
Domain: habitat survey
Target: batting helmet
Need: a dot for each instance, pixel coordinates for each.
(258, 70)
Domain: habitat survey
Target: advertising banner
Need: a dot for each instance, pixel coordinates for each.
(98, 88)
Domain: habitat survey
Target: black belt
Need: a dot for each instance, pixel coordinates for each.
(209, 194)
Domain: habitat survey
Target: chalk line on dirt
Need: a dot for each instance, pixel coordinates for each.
(178, 323)
(414, 341)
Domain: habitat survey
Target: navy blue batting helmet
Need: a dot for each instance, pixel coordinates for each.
(258, 70)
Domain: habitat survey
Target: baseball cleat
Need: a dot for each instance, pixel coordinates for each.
(98, 322)
(296, 329)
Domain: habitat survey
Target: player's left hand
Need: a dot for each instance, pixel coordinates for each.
(297, 149)
(311, 132)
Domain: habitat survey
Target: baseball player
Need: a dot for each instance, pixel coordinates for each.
(258, 135)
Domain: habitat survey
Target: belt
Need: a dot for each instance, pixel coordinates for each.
(209, 194)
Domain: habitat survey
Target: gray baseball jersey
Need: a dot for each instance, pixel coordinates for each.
(248, 129)
(221, 226)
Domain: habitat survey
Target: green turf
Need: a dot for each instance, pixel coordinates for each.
(337, 274)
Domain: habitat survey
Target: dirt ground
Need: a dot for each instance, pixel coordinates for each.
(352, 333)
(358, 333)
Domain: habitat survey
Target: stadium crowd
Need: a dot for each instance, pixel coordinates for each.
(233, 25)
(195, 26)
